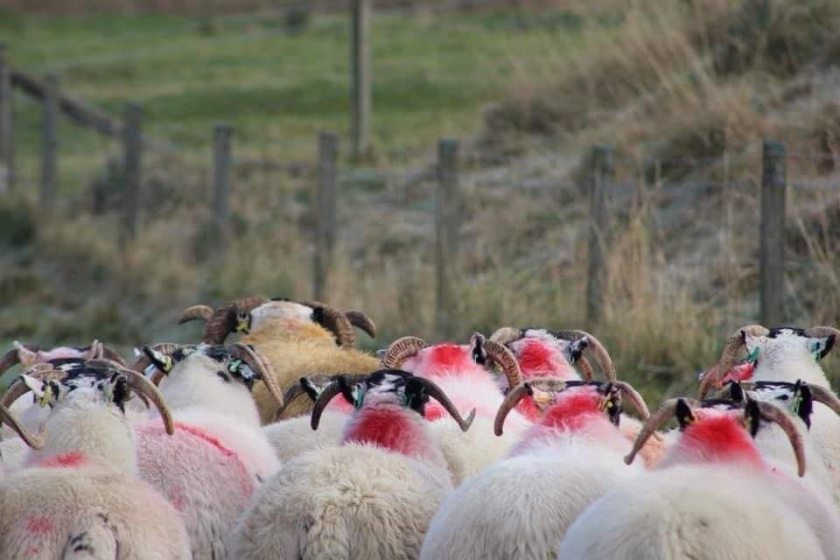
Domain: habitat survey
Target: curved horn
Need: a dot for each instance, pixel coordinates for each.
(511, 400)
(296, 391)
(12, 357)
(143, 361)
(144, 387)
(36, 441)
(114, 356)
(727, 357)
(334, 320)
(95, 352)
(15, 391)
(435, 392)
(773, 413)
(223, 320)
(362, 321)
(506, 360)
(400, 350)
(653, 423)
(825, 396)
(194, 313)
(634, 397)
(585, 368)
(261, 366)
(328, 394)
(599, 353)
(506, 335)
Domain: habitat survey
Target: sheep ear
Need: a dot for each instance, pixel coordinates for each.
(416, 396)
(352, 393)
(118, 391)
(736, 392)
(684, 414)
(26, 356)
(477, 351)
(311, 389)
(821, 346)
(44, 393)
(752, 417)
(751, 344)
(164, 362)
(803, 402)
(576, 348)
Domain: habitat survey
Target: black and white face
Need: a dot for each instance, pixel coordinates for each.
(785, 344)
(215, 358)
(794, 397)
(82, 384)
(387, 386)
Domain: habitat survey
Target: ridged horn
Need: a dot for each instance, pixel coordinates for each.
(114, 356)
(634, 397)
(12, 357)
(599, 353)
(506, 360)
(195, 313)
(143, 361)
(223, 320)
(435, 392)
(585, 368)
(511, 400)
(715, 374)
(36, 441)
(507, 335)
(261, 366)
(653, 423)
(773, 413)
(400, 350)
(333, 320)
(362, 321)
(825, 396)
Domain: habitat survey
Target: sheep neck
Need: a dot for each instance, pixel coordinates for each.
(717, 438)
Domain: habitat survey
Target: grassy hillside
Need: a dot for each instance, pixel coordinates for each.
(684, 90)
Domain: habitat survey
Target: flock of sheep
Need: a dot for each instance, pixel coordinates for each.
(293, 444)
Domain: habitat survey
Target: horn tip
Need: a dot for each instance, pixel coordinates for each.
(468, 422)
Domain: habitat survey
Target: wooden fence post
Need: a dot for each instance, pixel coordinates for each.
(222, 160)
(447, 218)
(360, 65)
(7, 167)
(602, 172)
(772, 265)
(325, 212)
(49, 161)
(132, 148)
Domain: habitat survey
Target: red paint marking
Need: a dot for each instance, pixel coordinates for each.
(387, 427)
(65, 460)
(32, 551)
(741, 372)
(529, 409)
(39, 525)
(534, 357)
(434, 411)
(720, 437)
(206, 436)
(573, 410)
(448, 356)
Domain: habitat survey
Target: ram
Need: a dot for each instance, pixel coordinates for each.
(204, 480)
(371, 497)
(80, 496)
(521, 506)
(786, 354)
(297, 339)
(209, 386)
(713, 496)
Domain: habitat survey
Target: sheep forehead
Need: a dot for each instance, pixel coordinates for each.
(389, 383)
(543, 335)
(281, 310)
(61, 352)
(783, 342)
(770, 392)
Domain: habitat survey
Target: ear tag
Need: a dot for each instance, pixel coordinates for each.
(817, 350)
(45, 399)
(242, 323)
(796, 402)
(543, 399)
(234, 366)
(358, 396)
(752, 357)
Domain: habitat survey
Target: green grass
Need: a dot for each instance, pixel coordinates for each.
(432, 75)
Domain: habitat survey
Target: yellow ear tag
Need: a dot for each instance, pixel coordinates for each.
(242, 324)
(167, 363)
(46, 398)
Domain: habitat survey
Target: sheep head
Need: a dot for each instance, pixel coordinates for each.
(429, 361)
(247, 315)
(587, 397)
(780, 345)
(722, 416)
(232, 363)
(28, 354)
(386, 385)
(99, 382)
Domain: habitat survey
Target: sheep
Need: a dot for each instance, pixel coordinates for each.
(209, 386)
(787, 354)
(297, 339)
(521, 506)
(202, 478)
(699, 502)
(75, 478)
(373, 496)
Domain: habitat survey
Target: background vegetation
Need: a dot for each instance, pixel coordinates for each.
(685, 90)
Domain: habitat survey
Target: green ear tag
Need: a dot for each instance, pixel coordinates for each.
(234, 366)
(752, 357)
(44, 400)
(358, 397)
(795, 403)
(816, 350)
